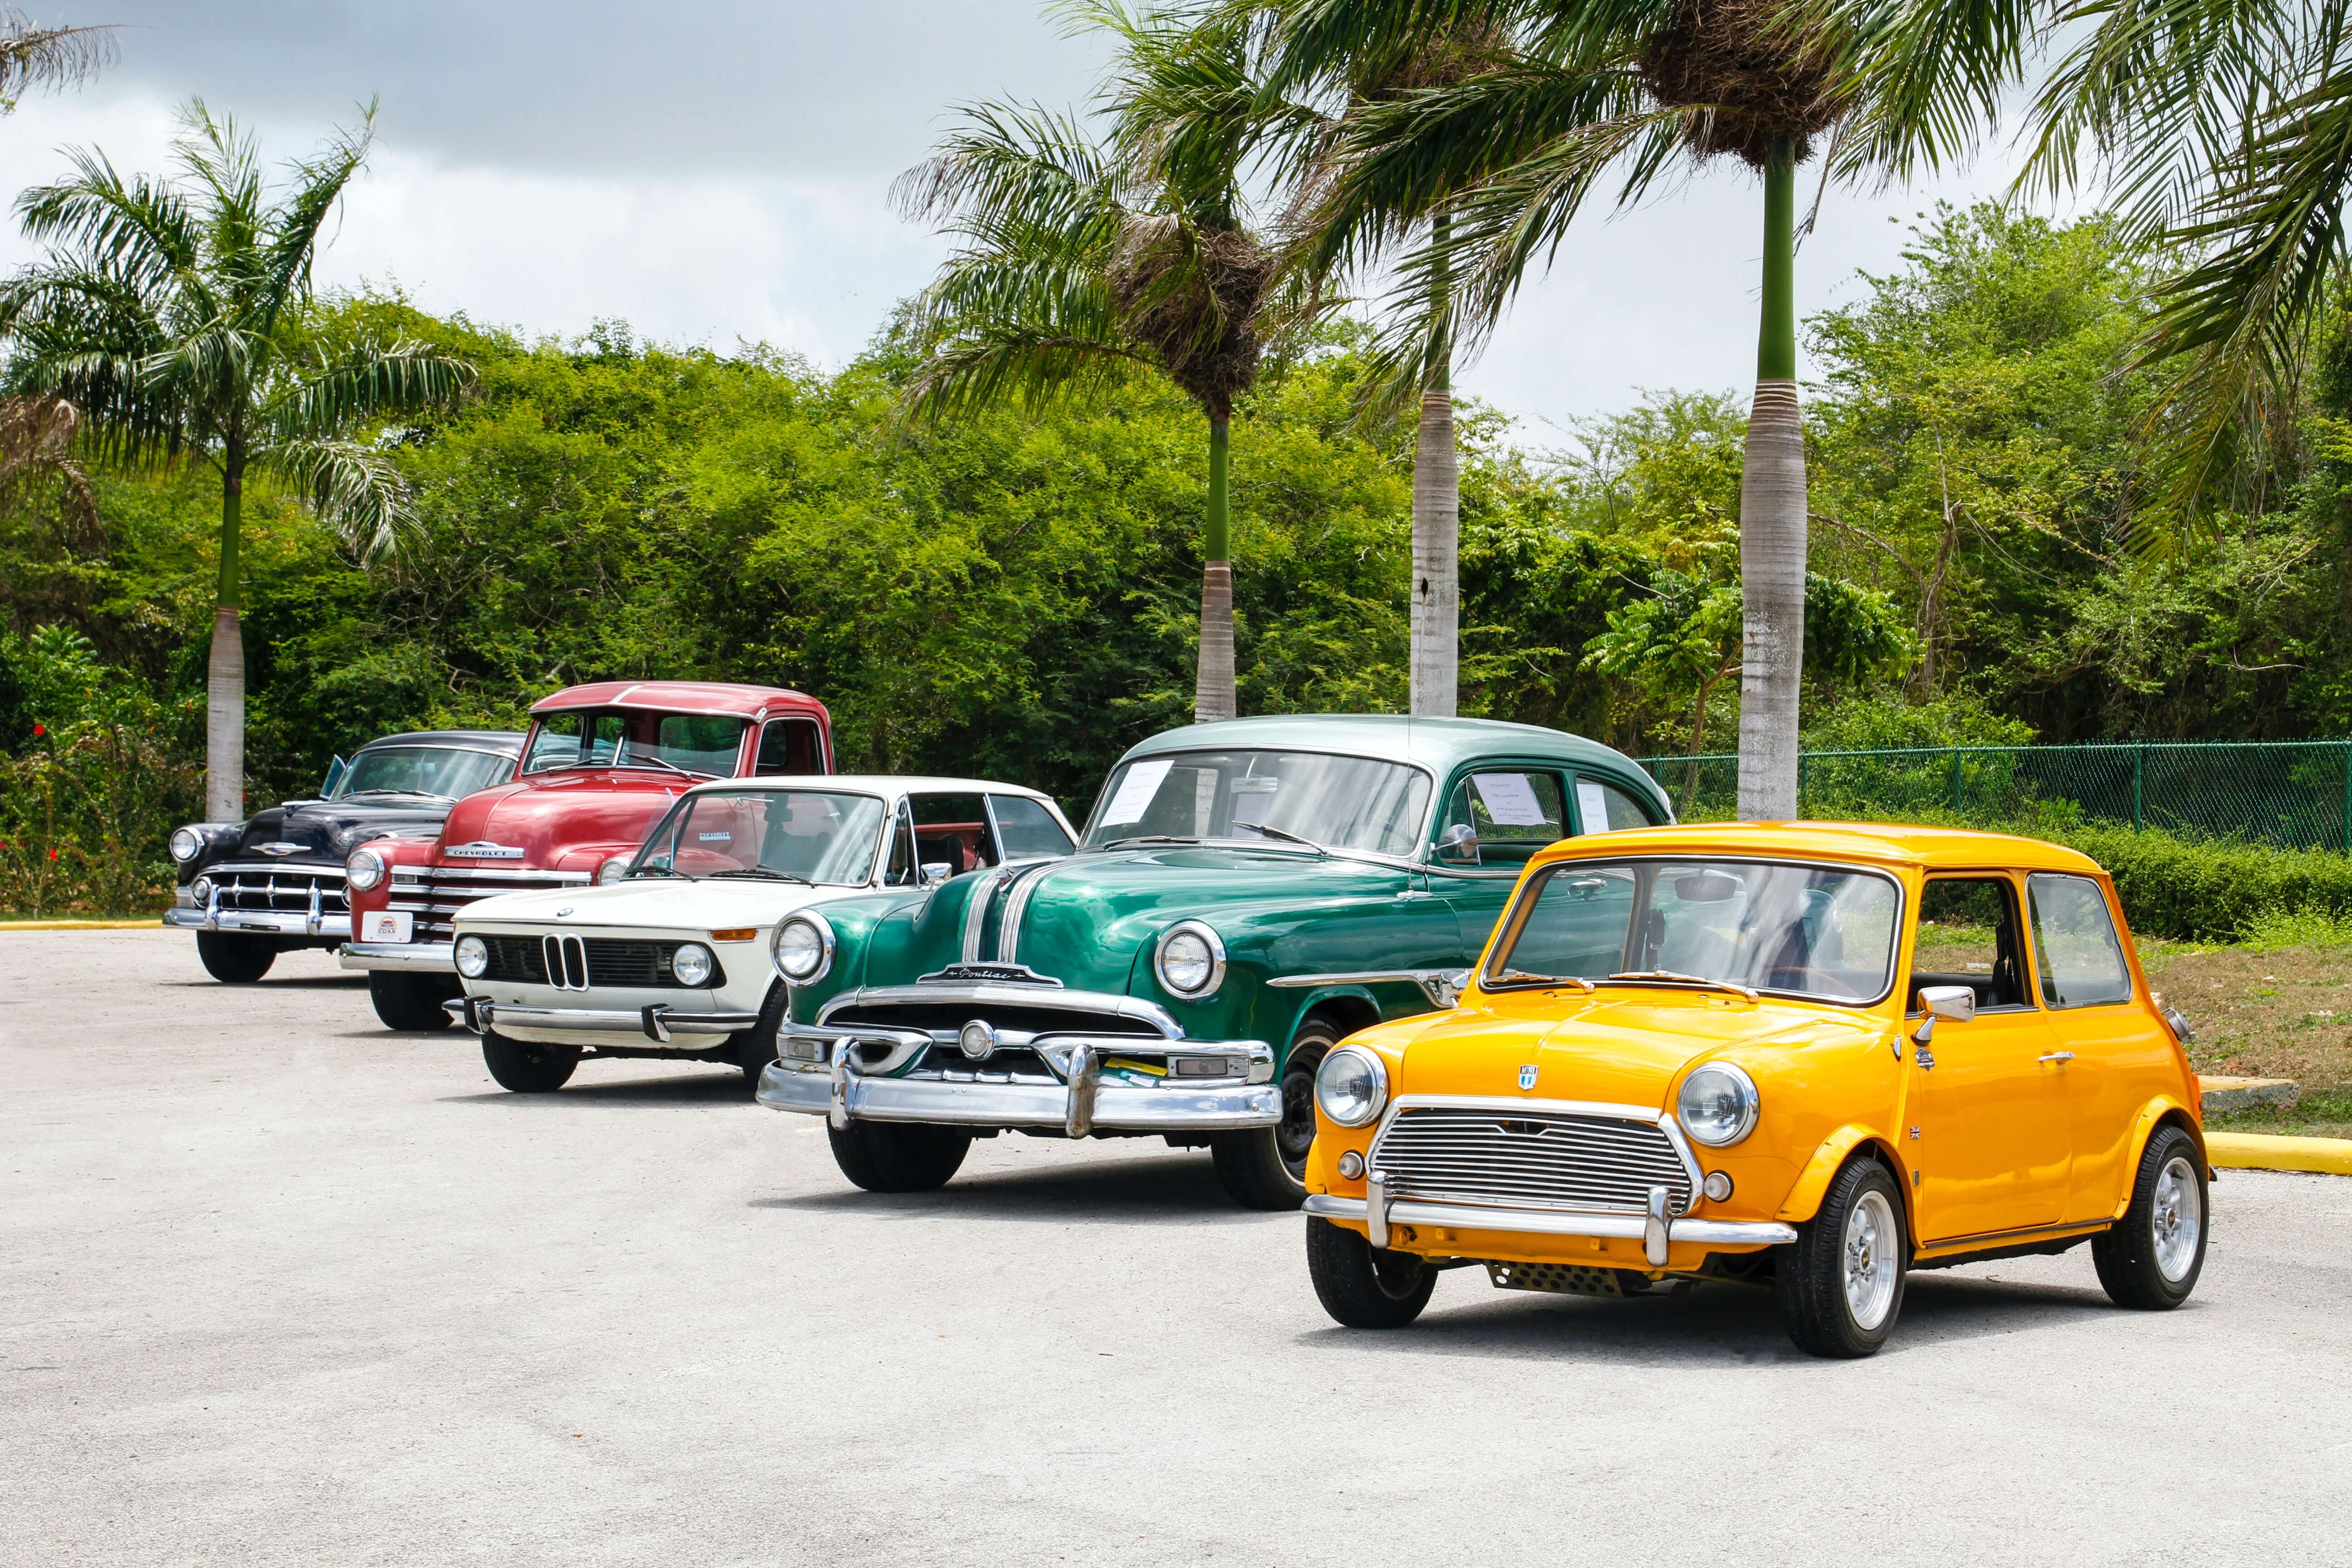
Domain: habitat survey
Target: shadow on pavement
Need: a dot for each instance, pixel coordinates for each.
(713, 1088)
(1714, 1323)
(290, 983)
(1111, 1192)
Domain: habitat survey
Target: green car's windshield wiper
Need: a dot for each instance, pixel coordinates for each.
(765, 873)
(1283, 833)
(1676, 978)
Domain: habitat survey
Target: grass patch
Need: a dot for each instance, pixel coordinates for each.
(2324, 1115)
(2274, 929)
(2260, 1011)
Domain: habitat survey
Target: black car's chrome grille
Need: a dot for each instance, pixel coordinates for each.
(435, 893)
(1527, 1158)
(286, 890)
(574, 964)
(947, 1018)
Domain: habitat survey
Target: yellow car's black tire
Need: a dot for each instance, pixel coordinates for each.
(409, 1002)
(899, 1156)
(1266, 1168)
(1362, 1286)
(527, 1068)
(1840, 1281)
(234, 960)
(2149, 1260)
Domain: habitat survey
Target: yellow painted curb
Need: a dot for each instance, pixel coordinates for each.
(156, 922)
(2270, 1152)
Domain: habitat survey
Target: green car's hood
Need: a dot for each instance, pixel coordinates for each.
(1089, 918)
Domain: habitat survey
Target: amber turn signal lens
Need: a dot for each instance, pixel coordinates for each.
(740, 933)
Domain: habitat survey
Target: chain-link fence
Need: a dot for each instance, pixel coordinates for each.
(2293, 794)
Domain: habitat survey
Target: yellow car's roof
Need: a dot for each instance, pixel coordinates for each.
(1879, 843)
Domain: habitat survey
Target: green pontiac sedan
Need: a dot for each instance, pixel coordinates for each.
(1246, 894)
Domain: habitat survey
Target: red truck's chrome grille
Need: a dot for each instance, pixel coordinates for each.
(435, 893)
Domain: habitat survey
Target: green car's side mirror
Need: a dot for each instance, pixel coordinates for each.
(1458, 845)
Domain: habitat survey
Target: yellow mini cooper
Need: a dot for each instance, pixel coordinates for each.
(1812, 1056)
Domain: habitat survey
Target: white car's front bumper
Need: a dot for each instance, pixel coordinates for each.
(658, 1023)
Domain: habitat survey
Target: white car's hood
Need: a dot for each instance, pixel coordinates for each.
(659, 902)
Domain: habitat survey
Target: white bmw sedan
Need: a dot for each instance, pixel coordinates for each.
(666, 956)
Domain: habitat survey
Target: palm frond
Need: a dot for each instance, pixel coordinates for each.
(225, 164)
(366, 381)
(292, 230)
(353, 488)
(1922, 82)
(992, 362)
(136, 228)
(33, 57)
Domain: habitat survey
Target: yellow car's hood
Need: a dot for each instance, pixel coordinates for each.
(1621, 1046)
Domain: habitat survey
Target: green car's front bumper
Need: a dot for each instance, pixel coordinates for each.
(1075, 1079)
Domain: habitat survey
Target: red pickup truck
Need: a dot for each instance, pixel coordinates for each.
(599, 766)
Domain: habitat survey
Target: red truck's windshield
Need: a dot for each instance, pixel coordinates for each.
(708, 745)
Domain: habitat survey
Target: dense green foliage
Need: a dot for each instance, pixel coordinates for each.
(1016, 595)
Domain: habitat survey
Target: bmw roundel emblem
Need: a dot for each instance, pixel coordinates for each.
(1527, 1075)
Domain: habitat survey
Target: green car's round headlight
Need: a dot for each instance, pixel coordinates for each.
(802, 948)
(1718, 1105)
(1190, 960)
(1351, 1086)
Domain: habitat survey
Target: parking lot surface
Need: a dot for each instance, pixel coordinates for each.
(278, 1286)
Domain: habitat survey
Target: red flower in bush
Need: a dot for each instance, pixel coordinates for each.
(53, 853)
(39, 731)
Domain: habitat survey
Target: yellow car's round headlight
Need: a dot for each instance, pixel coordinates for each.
(1718, 1105)
(1351, 1086)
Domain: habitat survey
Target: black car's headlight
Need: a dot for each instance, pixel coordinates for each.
(1351, 1086)
(1189, 960)
(191, 840)
(1718, 1105)
(802, 947)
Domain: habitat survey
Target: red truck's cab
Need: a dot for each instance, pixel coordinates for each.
(600, 764)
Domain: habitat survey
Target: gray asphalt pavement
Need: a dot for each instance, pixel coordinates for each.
(277, 1286)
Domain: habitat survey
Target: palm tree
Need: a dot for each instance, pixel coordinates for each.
(170, 313)
(1334, 236)
(1081, 260)
(1635, 91)
(33, 57)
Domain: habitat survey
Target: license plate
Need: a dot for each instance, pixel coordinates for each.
(387, 925)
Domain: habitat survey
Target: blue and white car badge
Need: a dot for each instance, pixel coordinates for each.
(563, 911)
(279, 846)
(1527, 1075)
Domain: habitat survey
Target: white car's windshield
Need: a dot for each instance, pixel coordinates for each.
(804, 836)
(1270, 796)
(444, 771)
(1814, 930)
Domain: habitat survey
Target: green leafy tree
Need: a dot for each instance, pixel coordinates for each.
(169, 311)
(1083, 260)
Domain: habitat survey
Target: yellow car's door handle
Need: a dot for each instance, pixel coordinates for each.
(2056, 1057)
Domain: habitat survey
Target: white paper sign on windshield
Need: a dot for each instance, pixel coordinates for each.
(1135, 791)
(1511, 800)
(1592, 805)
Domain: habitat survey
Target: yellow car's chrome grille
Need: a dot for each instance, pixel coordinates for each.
(1527, 1158)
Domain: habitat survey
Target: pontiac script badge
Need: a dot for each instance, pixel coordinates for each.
(1527, 1075)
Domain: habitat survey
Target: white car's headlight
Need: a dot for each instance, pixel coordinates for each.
(1718, 1105)
(1190, 960)
(802, 948)
(187, 843)
(692, 963)
(363, 869)
(473, 956)
(611, 870)
(1351, 1086)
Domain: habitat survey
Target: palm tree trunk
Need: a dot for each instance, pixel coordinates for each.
(1437, 528)
(224, 679)
(1772, 527)
(1213, 689)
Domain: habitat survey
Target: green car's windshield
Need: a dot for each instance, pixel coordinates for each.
(1811, 930)
(809, 836)
(444, 771)
(1265, 796)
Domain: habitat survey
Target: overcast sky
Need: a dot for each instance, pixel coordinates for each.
(716, 171)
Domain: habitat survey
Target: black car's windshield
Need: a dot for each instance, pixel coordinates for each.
(449, 772)
(1815, 930)
(1265, 796)
(707, 745)
(814, 835)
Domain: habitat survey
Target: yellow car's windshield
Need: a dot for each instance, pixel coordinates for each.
(1823, 931)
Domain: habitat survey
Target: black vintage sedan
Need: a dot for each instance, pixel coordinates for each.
(251, 890)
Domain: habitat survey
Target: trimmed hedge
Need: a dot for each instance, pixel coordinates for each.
(2208, 890)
